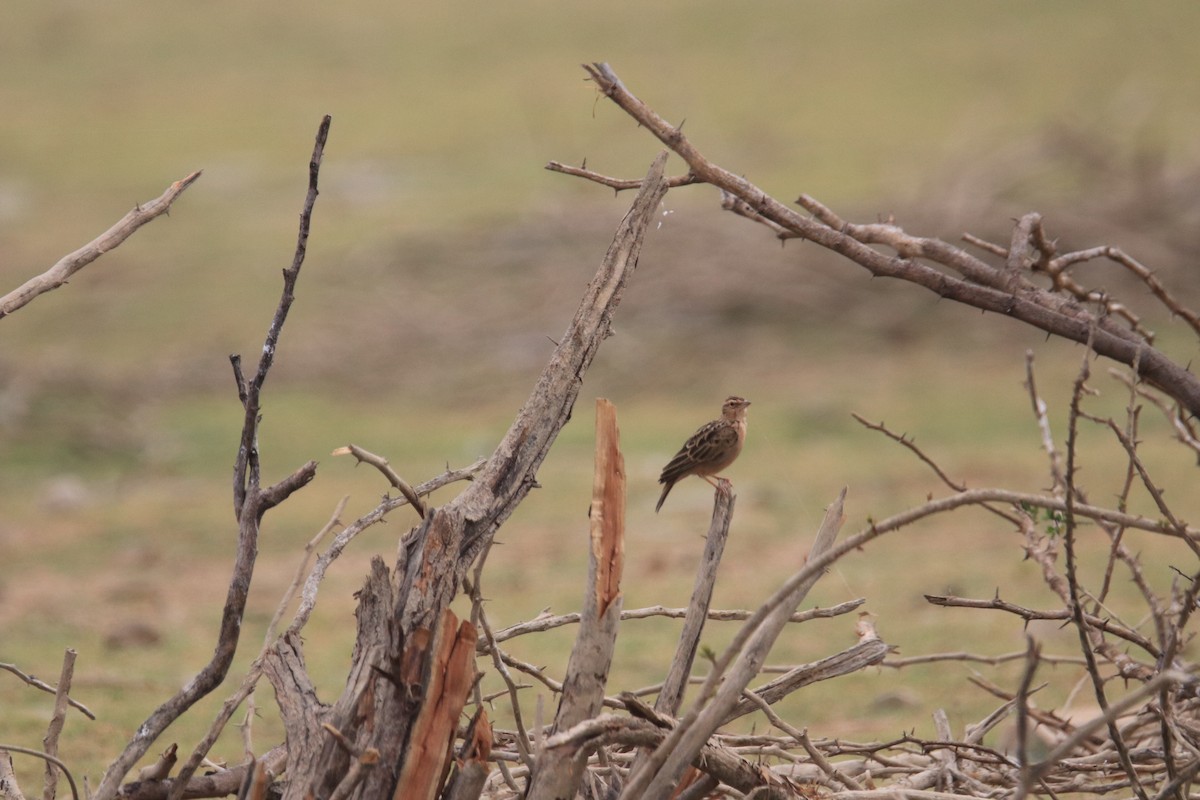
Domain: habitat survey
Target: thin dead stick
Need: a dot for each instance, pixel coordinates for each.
(524, 745)
(1076, 601)
(45, 687)
(57, 718)
(1062, 614)
(15, 748)
(750, 646)
(801, 737)
(1184, 431)
(903, 439)
(549, 622)
(1130, 263)
(67, 266)
(1043, 422)
(1003, 658)
(245, 691)
(380, 463)
(616, 184)
(671, 697)
(312, 584)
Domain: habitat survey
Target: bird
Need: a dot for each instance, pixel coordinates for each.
(710, 449)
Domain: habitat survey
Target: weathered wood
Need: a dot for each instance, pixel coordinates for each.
(658, 774)
(300, 709)
(860, 656)
(218, 784)
(451, 676)
(380, 702)
(559, 772)
(472, 768)
(670, 697)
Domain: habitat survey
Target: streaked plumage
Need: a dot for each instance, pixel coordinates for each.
(710, 449)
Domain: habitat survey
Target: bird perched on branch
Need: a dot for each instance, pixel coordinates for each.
(710, 449)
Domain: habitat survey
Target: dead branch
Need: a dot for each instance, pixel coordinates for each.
(45, 687)
(312, 584)
(1061, 614)
(557, 773)
(670, 698)
(380, 463)
(68, 265)
(434, 558)
(251, 502)
(545, 622)
(1075, 600)
(617, 184)
(10, 789)
(5, 749)
(969, 280)
(750, 646)
(220, 783)
(57, 718)
(866, 653)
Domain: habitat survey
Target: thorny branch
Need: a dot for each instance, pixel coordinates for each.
(68, 265)
(958, 275)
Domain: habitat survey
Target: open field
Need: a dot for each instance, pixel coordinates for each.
(443, 260)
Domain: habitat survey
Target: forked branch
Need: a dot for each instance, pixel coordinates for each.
(1003, 289)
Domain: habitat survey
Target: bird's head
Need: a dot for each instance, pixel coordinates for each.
(734, 407)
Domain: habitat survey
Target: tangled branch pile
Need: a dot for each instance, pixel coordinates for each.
(412, 720)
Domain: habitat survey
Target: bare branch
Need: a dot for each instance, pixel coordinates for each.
(616, 184)
(250, 503)
(49, 759)
(380, 463)
(57, 718)
(67, 266)
(45, 687)
(970, 280)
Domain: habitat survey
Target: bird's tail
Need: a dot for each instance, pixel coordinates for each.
(663, 496)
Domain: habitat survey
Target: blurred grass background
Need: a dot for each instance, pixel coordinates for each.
(444, 258)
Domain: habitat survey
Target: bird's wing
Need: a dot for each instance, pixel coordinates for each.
(705, 446)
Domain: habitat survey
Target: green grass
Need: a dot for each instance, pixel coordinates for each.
(444, 258)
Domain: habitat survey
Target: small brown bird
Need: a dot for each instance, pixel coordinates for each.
(709, 450)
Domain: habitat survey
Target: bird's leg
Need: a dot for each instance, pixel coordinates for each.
(722, 485)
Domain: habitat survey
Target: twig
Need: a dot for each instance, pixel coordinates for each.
(1062, 614)
(1119, 256)
(525, 747)
(45, 687)
(801, 738)
(312, 584)
(1043, 422)
(1032, 653)
(68, 265)
(380, 463)
(1003, 658)
(246, 690)
(547, 622)
(617, 184)
(1076, 605)
(14, 748)
(903, 439)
